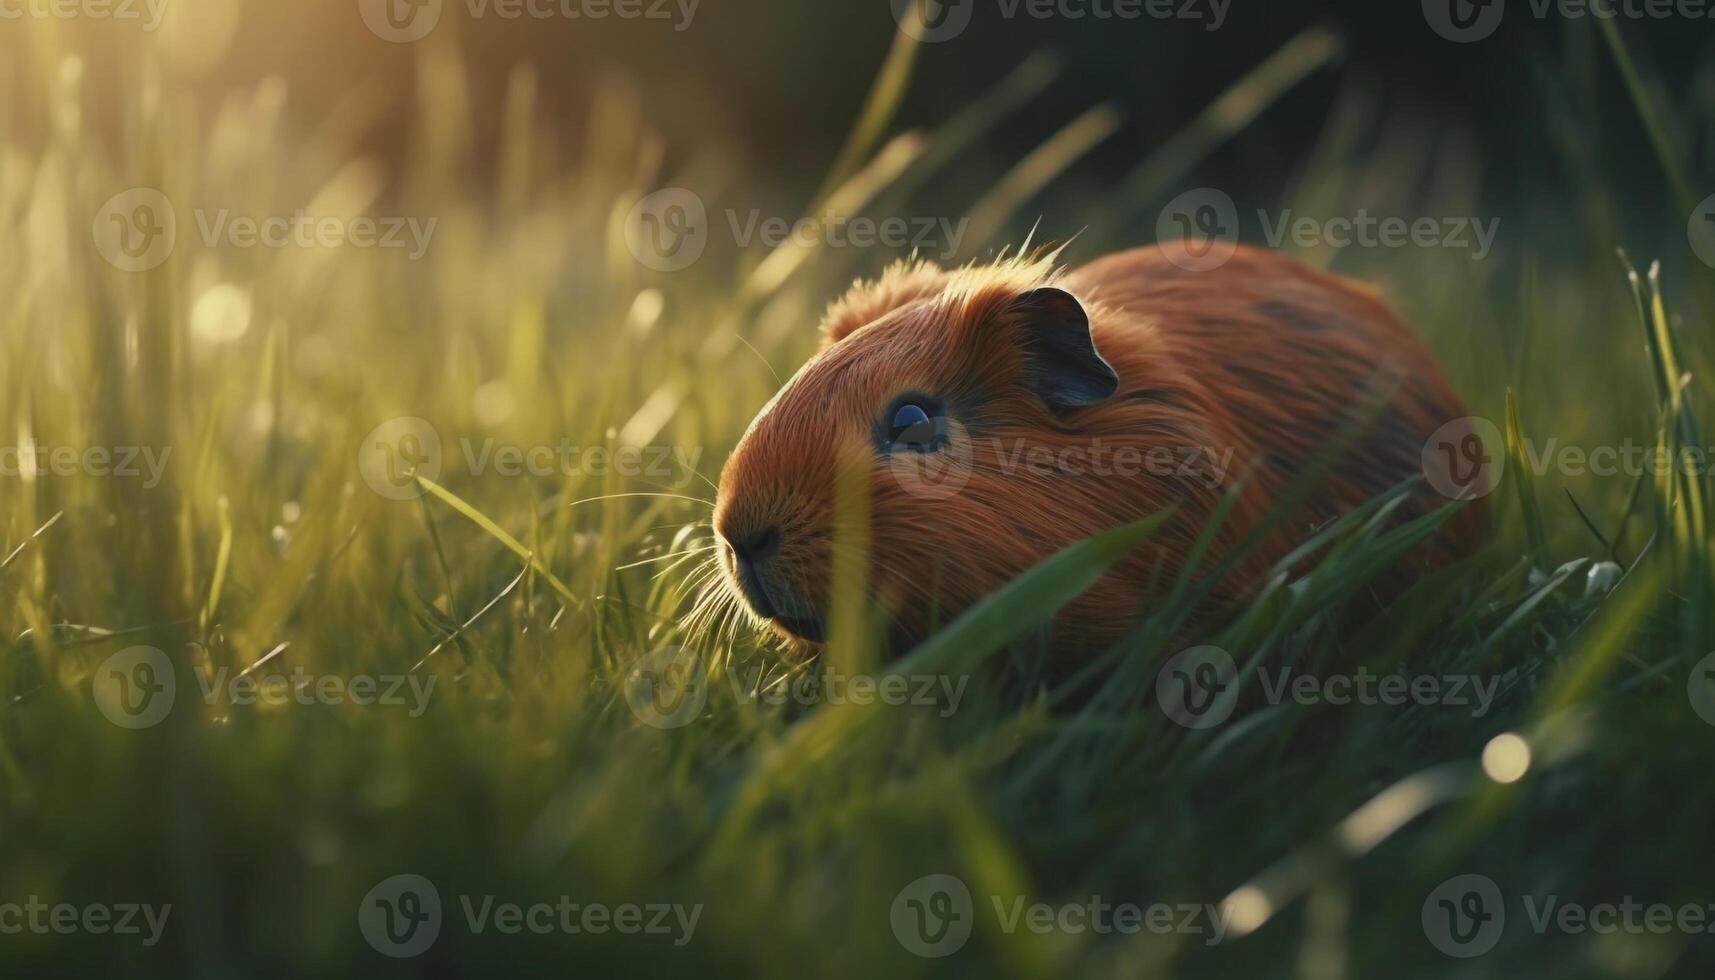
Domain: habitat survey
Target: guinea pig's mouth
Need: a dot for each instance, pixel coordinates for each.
(800, 623)
(768, 598)
(806, 628)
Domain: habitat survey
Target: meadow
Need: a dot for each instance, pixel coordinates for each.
(395, 561)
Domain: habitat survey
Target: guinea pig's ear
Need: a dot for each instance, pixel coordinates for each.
(1063, 366)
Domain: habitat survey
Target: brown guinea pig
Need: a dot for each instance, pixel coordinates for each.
(1001, 412)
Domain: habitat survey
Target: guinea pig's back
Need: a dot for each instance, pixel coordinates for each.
(1278, 360)
(1257, 294)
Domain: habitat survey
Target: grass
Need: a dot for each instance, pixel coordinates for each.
(1320, 830)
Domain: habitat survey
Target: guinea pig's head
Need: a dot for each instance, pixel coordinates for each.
(917, 406)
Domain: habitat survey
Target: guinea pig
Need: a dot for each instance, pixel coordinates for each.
(1001, 412)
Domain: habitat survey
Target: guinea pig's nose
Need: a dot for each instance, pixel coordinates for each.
(751, 553)
(758, 546)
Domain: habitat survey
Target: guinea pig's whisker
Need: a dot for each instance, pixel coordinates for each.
(700, 628)
(642, 493)
(732, 621)
(704, 586)
(676, 525)
(712, 484)
(732, 618)
(669, 556)
(709, 591)
(724, 616)
(711, 588)
(702, 560)
(752, 348)
(712, 611)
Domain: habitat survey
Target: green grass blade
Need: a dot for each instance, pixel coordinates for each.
(499, 534)
(1519, 461)
(1027, 602)
(223, 557)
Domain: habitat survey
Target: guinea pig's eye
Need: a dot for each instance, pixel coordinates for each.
(914, 425)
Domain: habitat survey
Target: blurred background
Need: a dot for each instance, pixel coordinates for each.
(779, 86)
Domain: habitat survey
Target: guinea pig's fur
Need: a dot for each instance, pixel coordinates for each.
(1262, 362)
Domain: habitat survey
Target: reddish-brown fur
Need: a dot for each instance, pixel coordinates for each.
(1261, 356)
